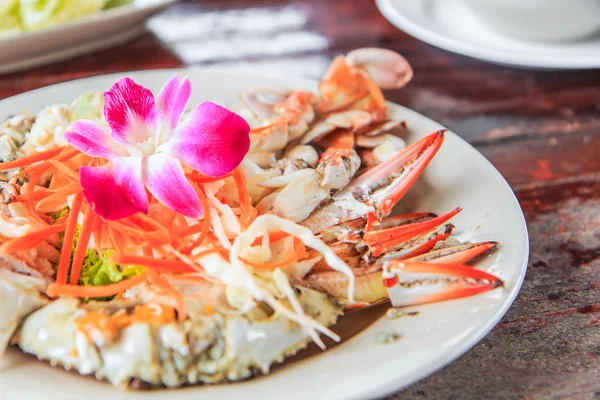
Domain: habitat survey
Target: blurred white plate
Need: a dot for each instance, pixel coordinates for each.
(359, 367)
(91, 33)
(449, 25)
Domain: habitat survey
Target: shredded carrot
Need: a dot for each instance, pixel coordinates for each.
(151, 262)
(274, 236)
(197, 177)
(248, 213)
(205, 223)
(31, 158)
(58, 289)
(62, 167)
(154, 236)
(30, 240)
(112, 238)
(139, 217)
(67, 247)
(97, 235)
(205, 252)
(33, 179)
(82, 244)
(57, 199)
(300, 249)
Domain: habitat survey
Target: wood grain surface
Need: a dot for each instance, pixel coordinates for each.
(540, 129)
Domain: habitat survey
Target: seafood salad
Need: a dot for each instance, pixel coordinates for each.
(153, 243)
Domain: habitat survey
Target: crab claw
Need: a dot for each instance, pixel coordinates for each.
(411, 283)
(380, 188)
(419, 245)
(384, 185)
(455, 254)
(382, 240)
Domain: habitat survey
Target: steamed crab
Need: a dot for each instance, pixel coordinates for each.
(325, 167)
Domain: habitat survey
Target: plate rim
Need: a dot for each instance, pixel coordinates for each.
(496, 56)
(394, 384)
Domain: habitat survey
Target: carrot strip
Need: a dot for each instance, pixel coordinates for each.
(247, 211)
(300, 249)
(158, 263)
(42, 166)
(114, 243)
(283, 263)
(205, 252)
(31, 158)
(58, 289)
(67, 247)
(197, 177)
(57, 199)
(138, 233)
(274, 236)
(97, 235)
(205, 222)
(29, 196)
(30, 240)
(82, 244)
(62, 167)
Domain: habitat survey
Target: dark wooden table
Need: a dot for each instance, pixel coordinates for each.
(540, 129)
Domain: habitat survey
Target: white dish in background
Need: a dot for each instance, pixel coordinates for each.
(540, 20)
(451, 25)
(90, 33)
(359, 367)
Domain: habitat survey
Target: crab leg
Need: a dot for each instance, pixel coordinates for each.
(381, 240)
(456, 254)
(420, 245)
(381, 187)
(411, 283)
(384, 185)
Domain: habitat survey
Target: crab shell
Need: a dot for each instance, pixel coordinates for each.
(207, 349)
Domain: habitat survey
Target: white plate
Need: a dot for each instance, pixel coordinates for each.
(449, 25)
(91, 33)
(359, 367)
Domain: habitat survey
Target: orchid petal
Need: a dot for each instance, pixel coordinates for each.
(104, 194)
(212, 140)
(130, 111)
(165, 179)
(91, 138)
(173, 99)
(128, 172)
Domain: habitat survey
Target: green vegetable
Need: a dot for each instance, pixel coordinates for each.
(98, 271)
(56, 215)
(36, 14)
(116, 3)
(9, 16)
(89, 105)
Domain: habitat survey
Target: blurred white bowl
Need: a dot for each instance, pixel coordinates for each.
(101, 30)
(539, 20)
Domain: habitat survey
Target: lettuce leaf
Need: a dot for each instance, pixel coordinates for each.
(56, 215)
(116, 3)
(97, 271)
(36, 14)
(89, 105)
(10, 20)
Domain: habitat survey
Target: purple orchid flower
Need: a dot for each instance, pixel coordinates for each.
(146, 146)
